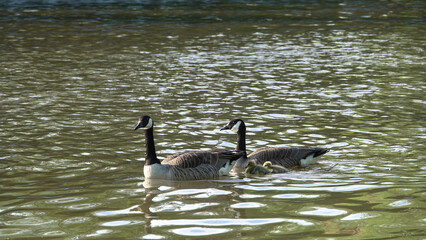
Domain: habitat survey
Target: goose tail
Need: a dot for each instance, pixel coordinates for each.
(313, 157)
(237, 154)
(321, 151)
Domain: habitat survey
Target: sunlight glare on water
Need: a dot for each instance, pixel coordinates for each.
(346, 75)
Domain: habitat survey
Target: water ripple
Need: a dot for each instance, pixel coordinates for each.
(347, 75)
(359, 216)
(217, 222)
(348, 188)
(175, 206)
(321, 211)
(247, 205)
(199, 231)
(295, 196)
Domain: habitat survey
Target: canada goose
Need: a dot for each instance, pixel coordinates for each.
(253, 168)
(189, 165)
(274, 168)
(284, 156)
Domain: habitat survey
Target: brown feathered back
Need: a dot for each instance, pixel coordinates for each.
(192, 159)
(285, 156)
(201, 172)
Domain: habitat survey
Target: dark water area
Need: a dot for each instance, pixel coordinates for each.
(346, 75)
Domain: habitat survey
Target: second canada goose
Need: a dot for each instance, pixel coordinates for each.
(253, 168)
(284, 156)
(189, 165)
(274, 168)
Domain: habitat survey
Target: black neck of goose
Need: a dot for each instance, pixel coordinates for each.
(151, 156)
(241, 138)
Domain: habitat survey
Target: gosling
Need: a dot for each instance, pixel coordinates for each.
(252, 168)
(274, 168)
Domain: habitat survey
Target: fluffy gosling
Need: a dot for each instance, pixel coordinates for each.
(274, 168)
(252, 168)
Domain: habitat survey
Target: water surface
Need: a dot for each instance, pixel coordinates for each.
(347, 75)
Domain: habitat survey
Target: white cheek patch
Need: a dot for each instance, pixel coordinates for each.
(149, 125)
(236, 127)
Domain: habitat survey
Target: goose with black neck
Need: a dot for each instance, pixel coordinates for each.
(189, 165)
(284, 156)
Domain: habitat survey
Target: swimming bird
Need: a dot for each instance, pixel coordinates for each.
(284, 156)
(253, 168)
(274, 168)
(189, 165)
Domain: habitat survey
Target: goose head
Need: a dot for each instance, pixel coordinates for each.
(267, 164)
(251, 164)
(145, 122)
(234, 125)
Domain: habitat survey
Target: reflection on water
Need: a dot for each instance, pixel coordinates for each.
(347, 75)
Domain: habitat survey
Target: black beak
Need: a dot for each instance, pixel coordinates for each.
(139, 125)
(225, 128)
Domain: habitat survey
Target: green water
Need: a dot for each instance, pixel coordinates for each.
(347, 75)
